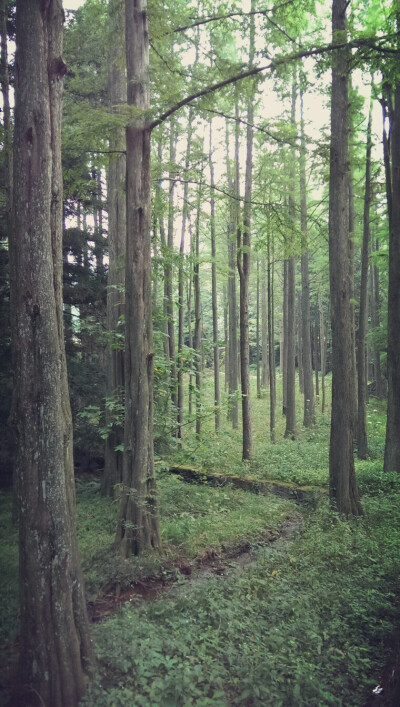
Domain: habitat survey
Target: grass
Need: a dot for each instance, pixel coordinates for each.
(307, 625)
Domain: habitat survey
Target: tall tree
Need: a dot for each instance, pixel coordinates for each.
(309, 408)
(342, 483)
(392, 445)
(362, 443)
(55, 650)
(214, 300)
(243, 263)
(116, 251)
(138, 527)
(232, 304)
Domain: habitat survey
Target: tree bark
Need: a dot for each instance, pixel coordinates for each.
(258, 362)
(392, 444)
(197, 315)
(115, 381)
(138, 528)
(168, 270)
(362, 442)
(56, 655)
(342, 484)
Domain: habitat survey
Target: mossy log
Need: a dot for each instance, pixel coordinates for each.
(264, 487)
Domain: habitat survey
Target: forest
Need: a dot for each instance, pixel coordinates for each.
(200, 353)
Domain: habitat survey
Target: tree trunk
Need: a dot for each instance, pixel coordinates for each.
(232, 304)
(197, 315)
(375, 315)
(284, 358)
(299, 320)
(309, 407)
(7, 133)
(138, 528)
(258, 362)
(264, 328)
(290, 430)
(322, 340)
(214, 301)
(271, 343)
(342, 483)
(392, 445)
(56, 656)
(362, 443)
(115, 381)
(168, 269)
(243, 263)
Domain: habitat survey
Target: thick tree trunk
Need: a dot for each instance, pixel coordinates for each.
(375, 316)
(7, 133)
(214, 300)
(116, 193)
(362, 443)
(392, 445)
(342, 484)
(138, 528)
(309, 407)
(55, 650)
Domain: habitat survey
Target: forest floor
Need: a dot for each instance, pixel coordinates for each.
(255, 600)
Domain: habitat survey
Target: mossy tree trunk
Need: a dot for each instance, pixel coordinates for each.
(56, 656)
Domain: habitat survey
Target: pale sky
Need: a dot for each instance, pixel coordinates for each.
(72, 4)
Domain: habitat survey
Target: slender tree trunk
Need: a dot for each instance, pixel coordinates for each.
(56, 655)
(181, 284)
(284, 336)
(115, 381)
(265, 376)
(214, 300)
(362, 443)
(243, 263)
(316, 356)
(197, 314)
(271, 342)
(258, 362)
(392, 445)
(300, 343)
(342, 484)
(168, 269)
(190, 329)
(322, 339)
(309, 406)
(376, 323)
(290, 430)
(138, 528)
(353, 381)
(232, 303)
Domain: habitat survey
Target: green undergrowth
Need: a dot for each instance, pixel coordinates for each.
(305, 626)
(194, 520)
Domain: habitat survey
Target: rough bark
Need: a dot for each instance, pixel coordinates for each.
(392, 444)
(138, 528)
(56, 656)
(113, 463)
(362, 375)
(342, 484)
